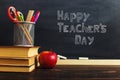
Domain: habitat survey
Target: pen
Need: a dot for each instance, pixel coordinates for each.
(32, 19)
(36, 16)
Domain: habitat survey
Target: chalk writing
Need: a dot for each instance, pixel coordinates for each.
(78, 16)
(85, 40)
(81, 27)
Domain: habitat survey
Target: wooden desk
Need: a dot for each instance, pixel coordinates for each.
(67, 73)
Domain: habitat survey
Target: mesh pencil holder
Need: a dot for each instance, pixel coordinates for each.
(24, 33)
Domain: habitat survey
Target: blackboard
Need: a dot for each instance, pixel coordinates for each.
(72, 28)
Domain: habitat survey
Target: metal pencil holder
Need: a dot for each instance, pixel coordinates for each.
(24, 34)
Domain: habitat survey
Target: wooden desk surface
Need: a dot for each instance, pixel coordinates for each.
(67, 73)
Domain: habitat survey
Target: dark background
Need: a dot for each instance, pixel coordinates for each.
(49, 38)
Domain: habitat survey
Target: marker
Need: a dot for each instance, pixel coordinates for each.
(36, 16)
(33, 18)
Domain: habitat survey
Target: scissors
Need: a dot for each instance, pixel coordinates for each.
(15, 15)
(20, 16)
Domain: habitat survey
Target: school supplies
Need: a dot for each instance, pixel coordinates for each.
(15, 15)
(18, 59)
(32, 19)
(24, 26)
(29, 15)
(36, 16)
(18, 52)
(22, 36)
(20, 16)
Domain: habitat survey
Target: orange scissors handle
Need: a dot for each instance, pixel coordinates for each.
(12, 14)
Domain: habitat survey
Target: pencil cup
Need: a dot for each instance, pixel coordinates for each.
(24, 34)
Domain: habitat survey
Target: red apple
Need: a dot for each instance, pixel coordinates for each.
(47, 59)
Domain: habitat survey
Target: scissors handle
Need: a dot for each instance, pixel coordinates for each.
(20, 16)
(12, 14)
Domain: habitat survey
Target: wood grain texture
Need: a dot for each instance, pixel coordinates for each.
(67, 73)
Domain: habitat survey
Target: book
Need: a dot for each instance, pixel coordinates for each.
(17, 61)
(18, 51)
(17, 68)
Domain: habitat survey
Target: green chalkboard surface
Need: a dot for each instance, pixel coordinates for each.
(72, 28)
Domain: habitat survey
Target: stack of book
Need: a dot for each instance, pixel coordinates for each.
(17, 59)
